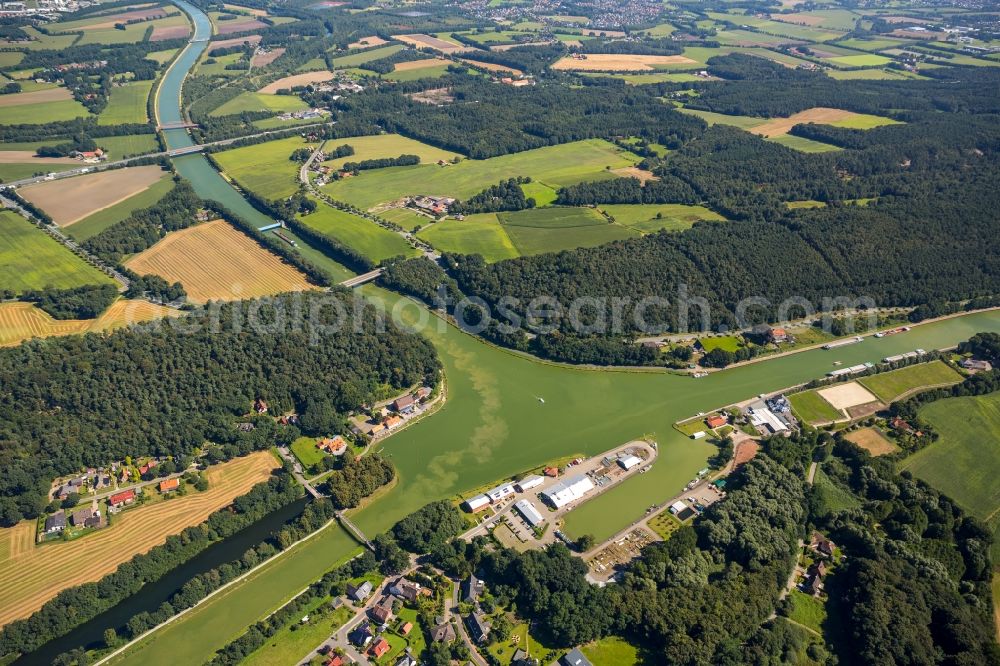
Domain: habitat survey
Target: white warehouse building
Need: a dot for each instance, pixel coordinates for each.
(530, 513)
(529, 482)
(568, 491)
(501, 491)
(628, 462)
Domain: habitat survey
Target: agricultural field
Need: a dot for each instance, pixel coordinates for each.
(823, 116)
(30, 575)
(873, 441)
(541, 193)
(94, 224)
(296, 80)
(724, 342)
(30, 259)
(860, 60)
(371, 240)
(649, 218)
(22, 163)
(384, 145)
(477, 234)
(264, 168)
(541, 230)
(69, 201)
(405, 218)
(964, 462)
(437, 42)
(295, 641)
(40, 106)
(250, 101)
(555, 166)
(355, 59)
(802, 144)
(871, 44)
(835, 19)
(418, 69)
(810, 407)
(891, 386)
(22, 321)
(215, 261)
(127, 104)
(614, 62)
(872, 75)
(131, 144)
(337, 272)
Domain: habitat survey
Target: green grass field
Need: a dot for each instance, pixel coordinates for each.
(613, 651)
(807, 203)
(30, 259)
(9, 172)
(102, 219)
(127, 104)
(724, 342)
(251, 101)
(541, 193)
(964, 462)
(363, 235)
(803, 145)
(664, 524)
(835, 19)
(672, 217)
(889, 386)
(306, 451)
(405, 218)
(807, 610)
(44, 112)
(712, 118)
(555, 166)
(860, 60)
(218, 67)
(385, 145)
(831, 497)
(864, 121)
(355, 59)
(10, 59)
(132, 144)
(812, 408)
(871, 44)
(476, 234)
(431, 72)
(296, 640)
(541, 230)
(264, 168)
(872, 75)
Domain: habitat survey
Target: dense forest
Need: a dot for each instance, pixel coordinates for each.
(177, 384)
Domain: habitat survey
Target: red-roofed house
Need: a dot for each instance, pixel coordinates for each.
(379, 649)
(406, 629)
(716, 421)
(169, 485)
(148, 466)
(778, 335)
(122, 498)
(334, 445)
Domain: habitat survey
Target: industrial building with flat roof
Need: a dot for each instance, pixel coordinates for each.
(564, 492)
(529, 482)
(530, 513)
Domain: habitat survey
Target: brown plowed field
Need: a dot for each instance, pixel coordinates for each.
(215, 261)
(70, 200)
(296, 80)
(30, 575)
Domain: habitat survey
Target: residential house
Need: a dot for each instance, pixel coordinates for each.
(361, 635)
(335, 660)
(975, 365)
(521, 658)
(716, 421)
(472, 587)
(379, 649)
(124, 476)
(55, 523)
(382, 611)
(575, 658)
(551, 472)
(361, 592)
(122, 498)
(423, 393)
(332, 445)
(405, 589)
(406, 628)
(406, 660)
(393, 422)
(246, 427)
(148, 466)
(822, 545)
(169, 485)
(443, 633)
(813, 585)
(404, 404)
(479, 627)
(82, 516)
(260, 406)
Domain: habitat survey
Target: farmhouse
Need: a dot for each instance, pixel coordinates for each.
(122, 498)
(528, 482)
(169, 485)
(432, 205)
(564, 492)
(530, 513)
(975, 365)
(55, 523)
(404, 405)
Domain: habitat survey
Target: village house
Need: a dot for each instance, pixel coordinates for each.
(404, 404)
(169, 485)
(360, 592)
(443, 633)
(406, 628)
(406, 589)
(121, 499)
(148, 466)
(55, 523)
(575, 658)
(379, 649)
(260, 406)
(472, 587)
(423, 393)
(393, 422)
(406, 660)
(822, 545)
(382, 611)
(716, 421)
(361, 635)
(479, 627)
(975, 365)
(333, 445)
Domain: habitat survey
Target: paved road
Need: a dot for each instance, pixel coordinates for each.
(462, 632)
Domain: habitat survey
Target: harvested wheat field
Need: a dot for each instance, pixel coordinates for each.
(161, 32)
(236, 41)
(23, 321)
(215, 261)
(35, 97)
(367, 42)
(845, 396)
(441, 45)
(820, 114)
(28, 156)
(229, 27)
(296, 80)
(619, 62)
(492, 67)
(635, 172)
(71, 200)
(30, 575)
(872, 441)
(419, 64)
(265, 59)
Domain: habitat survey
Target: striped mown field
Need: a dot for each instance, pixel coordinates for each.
(22, 321)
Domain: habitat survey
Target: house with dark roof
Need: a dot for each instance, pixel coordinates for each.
(574, 658)
(472, 587)
(81, 517)
(479, 627)
(382, 611)
(405, 589)
(404, 404)
(443, 633)
(55, 523)
(361, 635)
(360, 592)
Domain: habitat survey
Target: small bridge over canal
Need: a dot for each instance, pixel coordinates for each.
(354, 530)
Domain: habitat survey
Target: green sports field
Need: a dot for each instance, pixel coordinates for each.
(264, 168)
(889, 386)
(964, 463)
(356, 232)
(672, 217)
(556, 166)
(477, 234)
(252, 101)
(30, 259)
(385, 145)
(127, 104)
(102, 219)
(812, 408)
